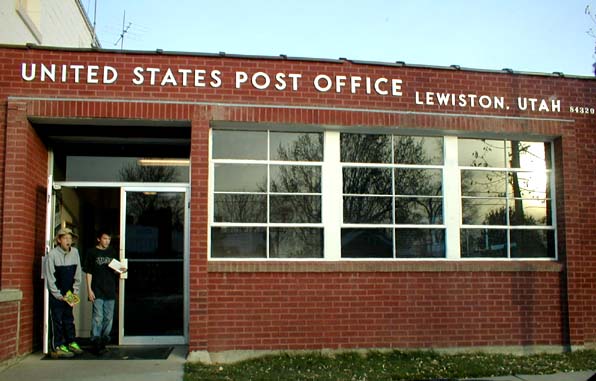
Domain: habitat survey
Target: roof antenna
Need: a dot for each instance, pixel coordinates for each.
(124, 31)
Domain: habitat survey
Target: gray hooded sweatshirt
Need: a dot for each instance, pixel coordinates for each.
(63, 271)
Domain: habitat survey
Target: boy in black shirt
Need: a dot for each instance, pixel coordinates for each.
(101, 288)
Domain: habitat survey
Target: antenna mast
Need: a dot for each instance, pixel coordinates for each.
(124, 31)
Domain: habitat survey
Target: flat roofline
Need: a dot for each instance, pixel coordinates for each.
(283, 57)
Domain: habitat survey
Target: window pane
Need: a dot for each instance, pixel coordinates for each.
(481, 153)
(483, 243)
(240, 208)
(295, 209)
(295, 243)
(367, 243)
(529, 155)
(240, 178)
(228, 144)
(291, 146)
(420, 243)
(532, 244)
(484, 211)
(238, 242)
(483, 183)
(367, 180)
(418, 150)
(367, 210)
(127, 169)
(530, 212)
(365, 148)
(529, 185)
(295, 179)
(419, 182)
(418, 210)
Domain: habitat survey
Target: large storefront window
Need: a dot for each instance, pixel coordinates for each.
(267, 194)
(332, 195)
(506, 199)
(392, 196)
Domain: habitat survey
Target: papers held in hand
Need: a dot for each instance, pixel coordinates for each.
(117, 265)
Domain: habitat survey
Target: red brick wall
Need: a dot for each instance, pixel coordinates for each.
(23, 223)
(293, 305)
(8, 329)
(383, 310)
(580, 229)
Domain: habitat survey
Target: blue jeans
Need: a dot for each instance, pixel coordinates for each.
(63, 328)
(103, 317)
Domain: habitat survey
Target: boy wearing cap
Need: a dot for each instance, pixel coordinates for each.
(63, 274)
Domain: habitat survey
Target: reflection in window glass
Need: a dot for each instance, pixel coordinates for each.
(269, 204)
(364, 148)
(367, 210)
(123, 169)
(296, 243)
(521, 196)
(229, 144)
(530, 212)
(295, 179)
(238, 242)
(483, 183)
(483, 243)
(421, 182)
(418, 150)
(240, 207)
(240, 178)
(403, 171)
(295, 209)
(532, 243)
(481, 153)
(419, 210)
(367, 243)
(534, 185)
(292, 146)
(484, 211)
(367, 180)
(420, 243)
(267, 192)
(534, 156)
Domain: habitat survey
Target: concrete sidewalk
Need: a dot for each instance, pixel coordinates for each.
(572, 376)
(33, 368)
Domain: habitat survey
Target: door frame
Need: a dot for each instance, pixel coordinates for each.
(153, 187)
(156, 340)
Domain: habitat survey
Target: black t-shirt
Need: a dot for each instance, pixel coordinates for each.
(103, 281)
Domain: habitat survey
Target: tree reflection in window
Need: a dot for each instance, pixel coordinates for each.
(153, 209)
(392, 180)
(513, 191)
(287, 191)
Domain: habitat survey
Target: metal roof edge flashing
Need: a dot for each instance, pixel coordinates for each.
(284, 57)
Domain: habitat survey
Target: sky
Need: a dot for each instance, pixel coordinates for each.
(524, 35)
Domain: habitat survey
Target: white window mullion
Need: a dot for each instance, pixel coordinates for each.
(211, 189)
(452, 198)
(393, 197)
(268, 193)
(332, 203)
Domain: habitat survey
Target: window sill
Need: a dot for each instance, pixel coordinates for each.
(385, 266)
(10, 295)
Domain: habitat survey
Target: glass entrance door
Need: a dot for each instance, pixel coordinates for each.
(153, 247)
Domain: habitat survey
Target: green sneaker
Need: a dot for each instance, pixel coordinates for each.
(74, 347)
(62, 352)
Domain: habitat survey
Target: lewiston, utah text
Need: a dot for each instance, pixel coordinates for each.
(463, 100)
